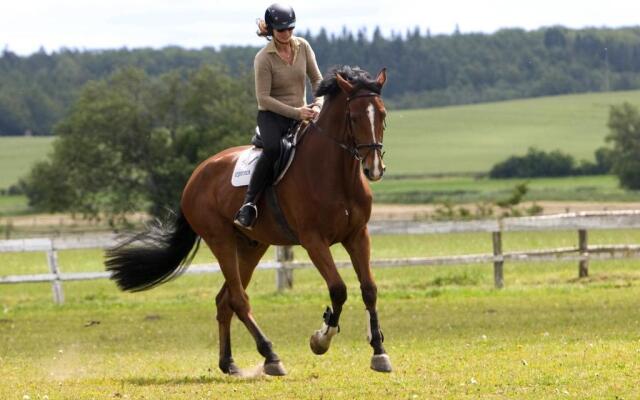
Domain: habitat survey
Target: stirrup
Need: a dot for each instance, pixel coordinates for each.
(246, 221)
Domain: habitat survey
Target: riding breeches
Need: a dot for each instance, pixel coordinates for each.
(272, 128)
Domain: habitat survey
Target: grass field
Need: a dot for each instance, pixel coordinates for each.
(447, 140)
(467, 138)
(18, 154)
(473, 138)
(449, 334)
(471, 190)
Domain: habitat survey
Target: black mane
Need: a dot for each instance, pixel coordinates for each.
(356, 76)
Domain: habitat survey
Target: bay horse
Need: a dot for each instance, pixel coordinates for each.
(324, 197)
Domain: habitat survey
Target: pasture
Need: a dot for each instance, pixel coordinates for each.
(465, 189)
(472, 138)
(448, 332)
(18, 154)
(467, 138)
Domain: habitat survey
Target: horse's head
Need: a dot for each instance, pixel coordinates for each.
(365, 119)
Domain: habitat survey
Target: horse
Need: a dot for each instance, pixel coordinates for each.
(325, 198)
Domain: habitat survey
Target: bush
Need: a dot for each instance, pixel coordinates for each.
(535, 163)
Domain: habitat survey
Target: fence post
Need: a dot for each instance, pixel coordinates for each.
(583, 265)
(284, 273)
(498, 260)
(52, 260)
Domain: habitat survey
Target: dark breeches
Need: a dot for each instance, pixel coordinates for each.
(272, 128)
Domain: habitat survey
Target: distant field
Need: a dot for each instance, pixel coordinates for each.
(440, 140)
(473, 138)
(448, 140)
(470, 190)
(18, 154)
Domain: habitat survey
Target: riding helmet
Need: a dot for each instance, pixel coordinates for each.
(279, 16)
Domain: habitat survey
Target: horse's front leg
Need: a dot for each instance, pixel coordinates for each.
(358, 247)
(321, 257)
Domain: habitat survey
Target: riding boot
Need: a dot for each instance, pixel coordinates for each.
(248, 213)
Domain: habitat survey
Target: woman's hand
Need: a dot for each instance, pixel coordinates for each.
(308, 112)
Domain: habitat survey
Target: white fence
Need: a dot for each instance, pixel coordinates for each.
(284, 264)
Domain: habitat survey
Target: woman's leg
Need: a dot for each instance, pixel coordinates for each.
(272, 128)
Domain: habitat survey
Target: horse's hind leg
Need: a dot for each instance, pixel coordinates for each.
(358, 247)
(237, 262)
(248, 258)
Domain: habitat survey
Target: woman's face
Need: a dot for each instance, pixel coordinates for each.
(283, 35)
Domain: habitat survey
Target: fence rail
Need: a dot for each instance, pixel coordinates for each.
(285, 265)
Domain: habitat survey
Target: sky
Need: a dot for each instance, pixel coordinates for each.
(28, 25)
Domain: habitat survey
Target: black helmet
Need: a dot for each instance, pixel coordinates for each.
(279, 16)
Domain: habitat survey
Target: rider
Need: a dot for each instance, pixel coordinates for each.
(281, 68)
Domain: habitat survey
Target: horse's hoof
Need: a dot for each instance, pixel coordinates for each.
(234, 370)
(321, 339)
(381, 363)
(230, 368)
(274, 369)
(318, 346)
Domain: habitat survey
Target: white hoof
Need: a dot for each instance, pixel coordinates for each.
(321, 339)
(381, 363)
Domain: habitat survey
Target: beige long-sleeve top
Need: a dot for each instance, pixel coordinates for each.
(280, 87)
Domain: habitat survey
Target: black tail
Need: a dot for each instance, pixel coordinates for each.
(153, 257)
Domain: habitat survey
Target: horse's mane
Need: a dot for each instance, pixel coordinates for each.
(356, 76)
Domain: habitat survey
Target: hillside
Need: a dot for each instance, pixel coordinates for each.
(18, 154)
(472, 138)
(442, 140)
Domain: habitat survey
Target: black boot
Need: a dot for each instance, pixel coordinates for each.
(248, 213)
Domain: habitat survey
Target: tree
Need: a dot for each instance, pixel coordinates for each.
(130, 141)
(624, 124)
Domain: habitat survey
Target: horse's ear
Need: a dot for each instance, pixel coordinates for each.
(382, 77)
(344, 85)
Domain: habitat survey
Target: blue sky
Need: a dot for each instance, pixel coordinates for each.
(27, 25)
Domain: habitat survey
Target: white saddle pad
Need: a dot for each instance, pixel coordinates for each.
(244, 166)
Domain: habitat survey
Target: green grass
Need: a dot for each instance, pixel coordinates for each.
(466, 139)
(472, 138)
(13, 205)
(18, 154)
(471, 190)
(448, 332)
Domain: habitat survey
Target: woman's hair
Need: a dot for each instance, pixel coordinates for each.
(264, 30)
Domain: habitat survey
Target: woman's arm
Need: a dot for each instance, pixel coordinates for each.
(313, 72)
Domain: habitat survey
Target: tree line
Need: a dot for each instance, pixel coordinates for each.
(424, 70)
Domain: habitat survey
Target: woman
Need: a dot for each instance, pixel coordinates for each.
(281, 68)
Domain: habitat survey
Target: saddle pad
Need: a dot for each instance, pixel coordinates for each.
(245, 165)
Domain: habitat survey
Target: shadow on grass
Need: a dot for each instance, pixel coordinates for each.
(189, 380)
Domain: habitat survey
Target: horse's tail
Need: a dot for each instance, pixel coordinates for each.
(153, 257)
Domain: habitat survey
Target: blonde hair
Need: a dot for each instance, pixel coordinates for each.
(264, 30)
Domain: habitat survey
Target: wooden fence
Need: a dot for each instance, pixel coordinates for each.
(285, 265)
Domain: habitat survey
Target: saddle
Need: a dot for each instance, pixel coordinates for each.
(246, 164)
(287, 150)
(247, 159)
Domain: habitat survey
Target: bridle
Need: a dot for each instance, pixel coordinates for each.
(354, 149)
